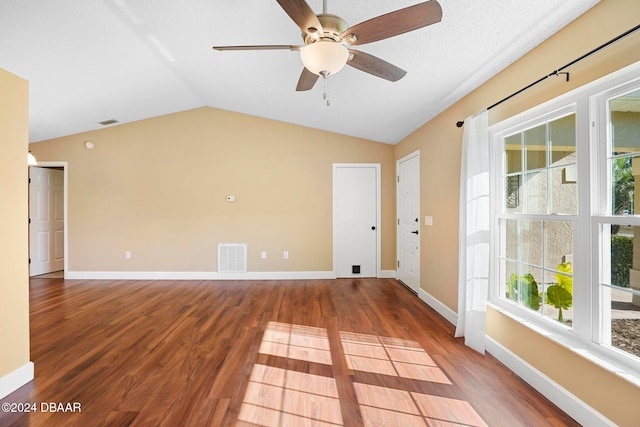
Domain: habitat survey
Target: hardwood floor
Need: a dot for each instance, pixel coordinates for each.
(269, 353)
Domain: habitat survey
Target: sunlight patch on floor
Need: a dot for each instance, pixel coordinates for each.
(278, 397)
(296, 342)
(390, 356)
(281, 397)
(383, 406)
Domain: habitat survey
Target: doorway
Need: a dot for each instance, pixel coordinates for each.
(48, 218)
(356, 219)
(408, 210)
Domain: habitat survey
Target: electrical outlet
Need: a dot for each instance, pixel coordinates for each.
(286, 255)
(127, 254)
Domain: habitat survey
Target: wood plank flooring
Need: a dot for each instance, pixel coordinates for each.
(364, 352)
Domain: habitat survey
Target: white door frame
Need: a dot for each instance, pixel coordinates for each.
(401, 160)
(65, 167)
(376, 166)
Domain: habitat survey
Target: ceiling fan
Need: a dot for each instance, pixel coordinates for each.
(327, 37)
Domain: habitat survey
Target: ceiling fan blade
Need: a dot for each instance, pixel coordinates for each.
(259, 47)
(302, 15)
(307, 80)
(394, 23)
(375, 66)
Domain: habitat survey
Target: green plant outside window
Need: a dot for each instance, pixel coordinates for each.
(560, 294)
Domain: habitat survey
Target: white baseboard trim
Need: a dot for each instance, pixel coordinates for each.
(387, 274)
(210, 275)
(198, 275)
(565, 400)
(16, 379)
(442, 309)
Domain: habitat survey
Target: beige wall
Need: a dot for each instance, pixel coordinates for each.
(439, 142)
(157, 188)
(14, 284)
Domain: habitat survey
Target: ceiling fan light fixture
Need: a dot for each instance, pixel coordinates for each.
(324, 57)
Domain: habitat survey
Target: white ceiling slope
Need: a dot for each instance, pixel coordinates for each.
(94, 60)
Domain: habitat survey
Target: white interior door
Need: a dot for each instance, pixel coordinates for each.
(46, 220)
(408, 195)
(356, 230)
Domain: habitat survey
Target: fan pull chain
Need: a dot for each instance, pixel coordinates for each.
(325, 95)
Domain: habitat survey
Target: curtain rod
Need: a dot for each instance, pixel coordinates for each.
(561, 69)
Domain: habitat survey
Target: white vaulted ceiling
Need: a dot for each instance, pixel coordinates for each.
(94, 60)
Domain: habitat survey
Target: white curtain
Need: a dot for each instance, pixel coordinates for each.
(473, 257)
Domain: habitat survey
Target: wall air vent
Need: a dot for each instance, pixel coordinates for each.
(232, 258)
(108, 122)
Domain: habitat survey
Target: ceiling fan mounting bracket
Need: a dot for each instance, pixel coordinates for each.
(332, 25)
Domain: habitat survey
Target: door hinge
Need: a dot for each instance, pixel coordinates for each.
(29, 220)
(398, 263)
(29, 260)
(398, 178)
(398, 221)
(29, 180)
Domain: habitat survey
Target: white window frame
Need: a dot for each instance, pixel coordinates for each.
(521, 123)
(589, 103)
(601, 194)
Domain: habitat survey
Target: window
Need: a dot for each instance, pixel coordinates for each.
(538, 216)
(566, 240)
(617, 223)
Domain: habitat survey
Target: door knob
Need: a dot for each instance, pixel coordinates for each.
(415, 232)
(373, 227)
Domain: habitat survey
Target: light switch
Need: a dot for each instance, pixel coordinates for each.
(428, 220)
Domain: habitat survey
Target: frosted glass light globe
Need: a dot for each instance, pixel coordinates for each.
(324, 57)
